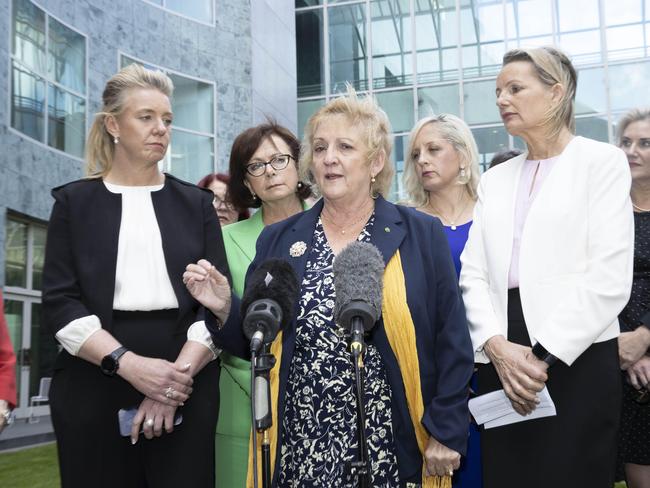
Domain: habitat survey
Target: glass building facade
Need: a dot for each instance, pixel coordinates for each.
(425, 57)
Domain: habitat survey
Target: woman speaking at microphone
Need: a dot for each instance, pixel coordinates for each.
(418, 359)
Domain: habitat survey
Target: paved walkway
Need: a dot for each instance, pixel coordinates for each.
(23, 434)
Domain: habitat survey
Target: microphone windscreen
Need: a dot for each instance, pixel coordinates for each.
(274, 280)
(358, 277)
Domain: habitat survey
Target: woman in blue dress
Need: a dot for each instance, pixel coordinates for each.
(441, 175)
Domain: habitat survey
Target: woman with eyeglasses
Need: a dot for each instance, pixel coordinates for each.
(264, 175)
(217, 183)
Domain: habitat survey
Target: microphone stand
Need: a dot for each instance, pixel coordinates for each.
(361, 468)
(261, 404)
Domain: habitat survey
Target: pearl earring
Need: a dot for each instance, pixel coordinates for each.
(116, 140)
(462, 172)
(372, 180)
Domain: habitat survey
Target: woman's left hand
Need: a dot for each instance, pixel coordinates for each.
(639, 373)
(153, 416)
(440, 460)
(632, 346)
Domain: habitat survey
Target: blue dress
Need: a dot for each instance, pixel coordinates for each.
(469, 475)
(319, 426)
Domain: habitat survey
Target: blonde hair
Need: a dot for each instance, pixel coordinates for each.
(552, 66)
(458, 134)
(634, 115)
(360, 111)
(100, 147)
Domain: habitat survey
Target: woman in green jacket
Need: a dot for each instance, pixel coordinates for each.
(264, 175)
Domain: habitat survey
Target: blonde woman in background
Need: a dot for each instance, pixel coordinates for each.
(441, 176)
(548, 264)
(133, 337)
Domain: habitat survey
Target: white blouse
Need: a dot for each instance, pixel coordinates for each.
(141, 279)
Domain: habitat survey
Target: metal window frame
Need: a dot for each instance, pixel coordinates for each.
(164, 8)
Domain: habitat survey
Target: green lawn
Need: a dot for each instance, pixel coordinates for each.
(35, 467)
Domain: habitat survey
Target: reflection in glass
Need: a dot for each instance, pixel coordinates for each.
(309, 53)
(435, 25)
(578, 14)
(391, 43)
(16, 254)
(625, 42)
(29, 35)
(582, 47)
(196, 9)
(593, 127)
(67, 57)
(490, 140)
(442, 99)
(628, 85)
(307, 3)
(590, 96)
(14, 317)
(27, 103)
(43, 351)
(66, 121)
(480, 102)
(398, 105)
(533, 17)
(619, 12)
(347, 42)
(38, 256)
(307, 108)
(193, 104)
(191, 156)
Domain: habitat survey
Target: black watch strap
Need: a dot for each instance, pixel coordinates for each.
(542, 354)
(110, 364)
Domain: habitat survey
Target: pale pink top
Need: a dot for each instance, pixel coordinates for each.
(525, 198)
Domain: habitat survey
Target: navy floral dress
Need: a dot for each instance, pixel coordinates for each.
(319, 430)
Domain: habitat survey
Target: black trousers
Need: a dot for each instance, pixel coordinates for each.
(84, 405)
(574, 449)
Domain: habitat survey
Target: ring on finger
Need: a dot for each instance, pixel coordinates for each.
(169, 392)
(148, 423)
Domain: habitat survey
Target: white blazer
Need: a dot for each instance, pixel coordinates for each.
(576, 255)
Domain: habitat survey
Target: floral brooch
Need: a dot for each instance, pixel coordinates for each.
(297, 249)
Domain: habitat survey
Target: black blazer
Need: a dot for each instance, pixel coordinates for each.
(82, 241)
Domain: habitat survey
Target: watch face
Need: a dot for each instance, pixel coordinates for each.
(109, 365)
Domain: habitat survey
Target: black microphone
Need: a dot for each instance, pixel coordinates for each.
(269, 297)
(358, 278)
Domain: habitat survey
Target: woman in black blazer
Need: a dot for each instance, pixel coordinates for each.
(133, 337)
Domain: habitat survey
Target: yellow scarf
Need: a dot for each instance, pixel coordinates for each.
(400, 331)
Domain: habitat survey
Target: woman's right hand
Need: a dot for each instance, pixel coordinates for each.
(209, 287)
(157, 379)
(638, 374)
(521, 374)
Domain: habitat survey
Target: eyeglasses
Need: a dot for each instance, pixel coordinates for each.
(278, 162)
(219, 203)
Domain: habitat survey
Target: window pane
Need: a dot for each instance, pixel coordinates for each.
(306, 108)
(397, 191)
(347, 41)
(16, 254)
(196, 9)
(578, 14)
(590, 96)
(29, 35)
(623, 11)
(193, 104)
(436, 100)
(14, 317)
(534, 18)
(490, 140)
(435, 25)
(490, 22)
(593, 127)
(309, 53)
(191, 156)
(399, 108)
(38, 256)
(28, 101)
(307, 3)
(43, 350)
(66, 121)
(391, 43)
(480, 102)
(67, 57)
(628, 85)
(625, 42)
(582, 47)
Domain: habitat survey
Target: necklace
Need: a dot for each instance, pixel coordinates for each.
(639, 208)
(343, 229)
(452, 220)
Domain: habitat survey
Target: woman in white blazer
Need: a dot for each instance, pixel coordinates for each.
(548, 264)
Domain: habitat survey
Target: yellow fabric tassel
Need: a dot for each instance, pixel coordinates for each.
(274, 377)
(400, 331)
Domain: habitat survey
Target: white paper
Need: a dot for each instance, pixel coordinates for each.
(495, 409)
